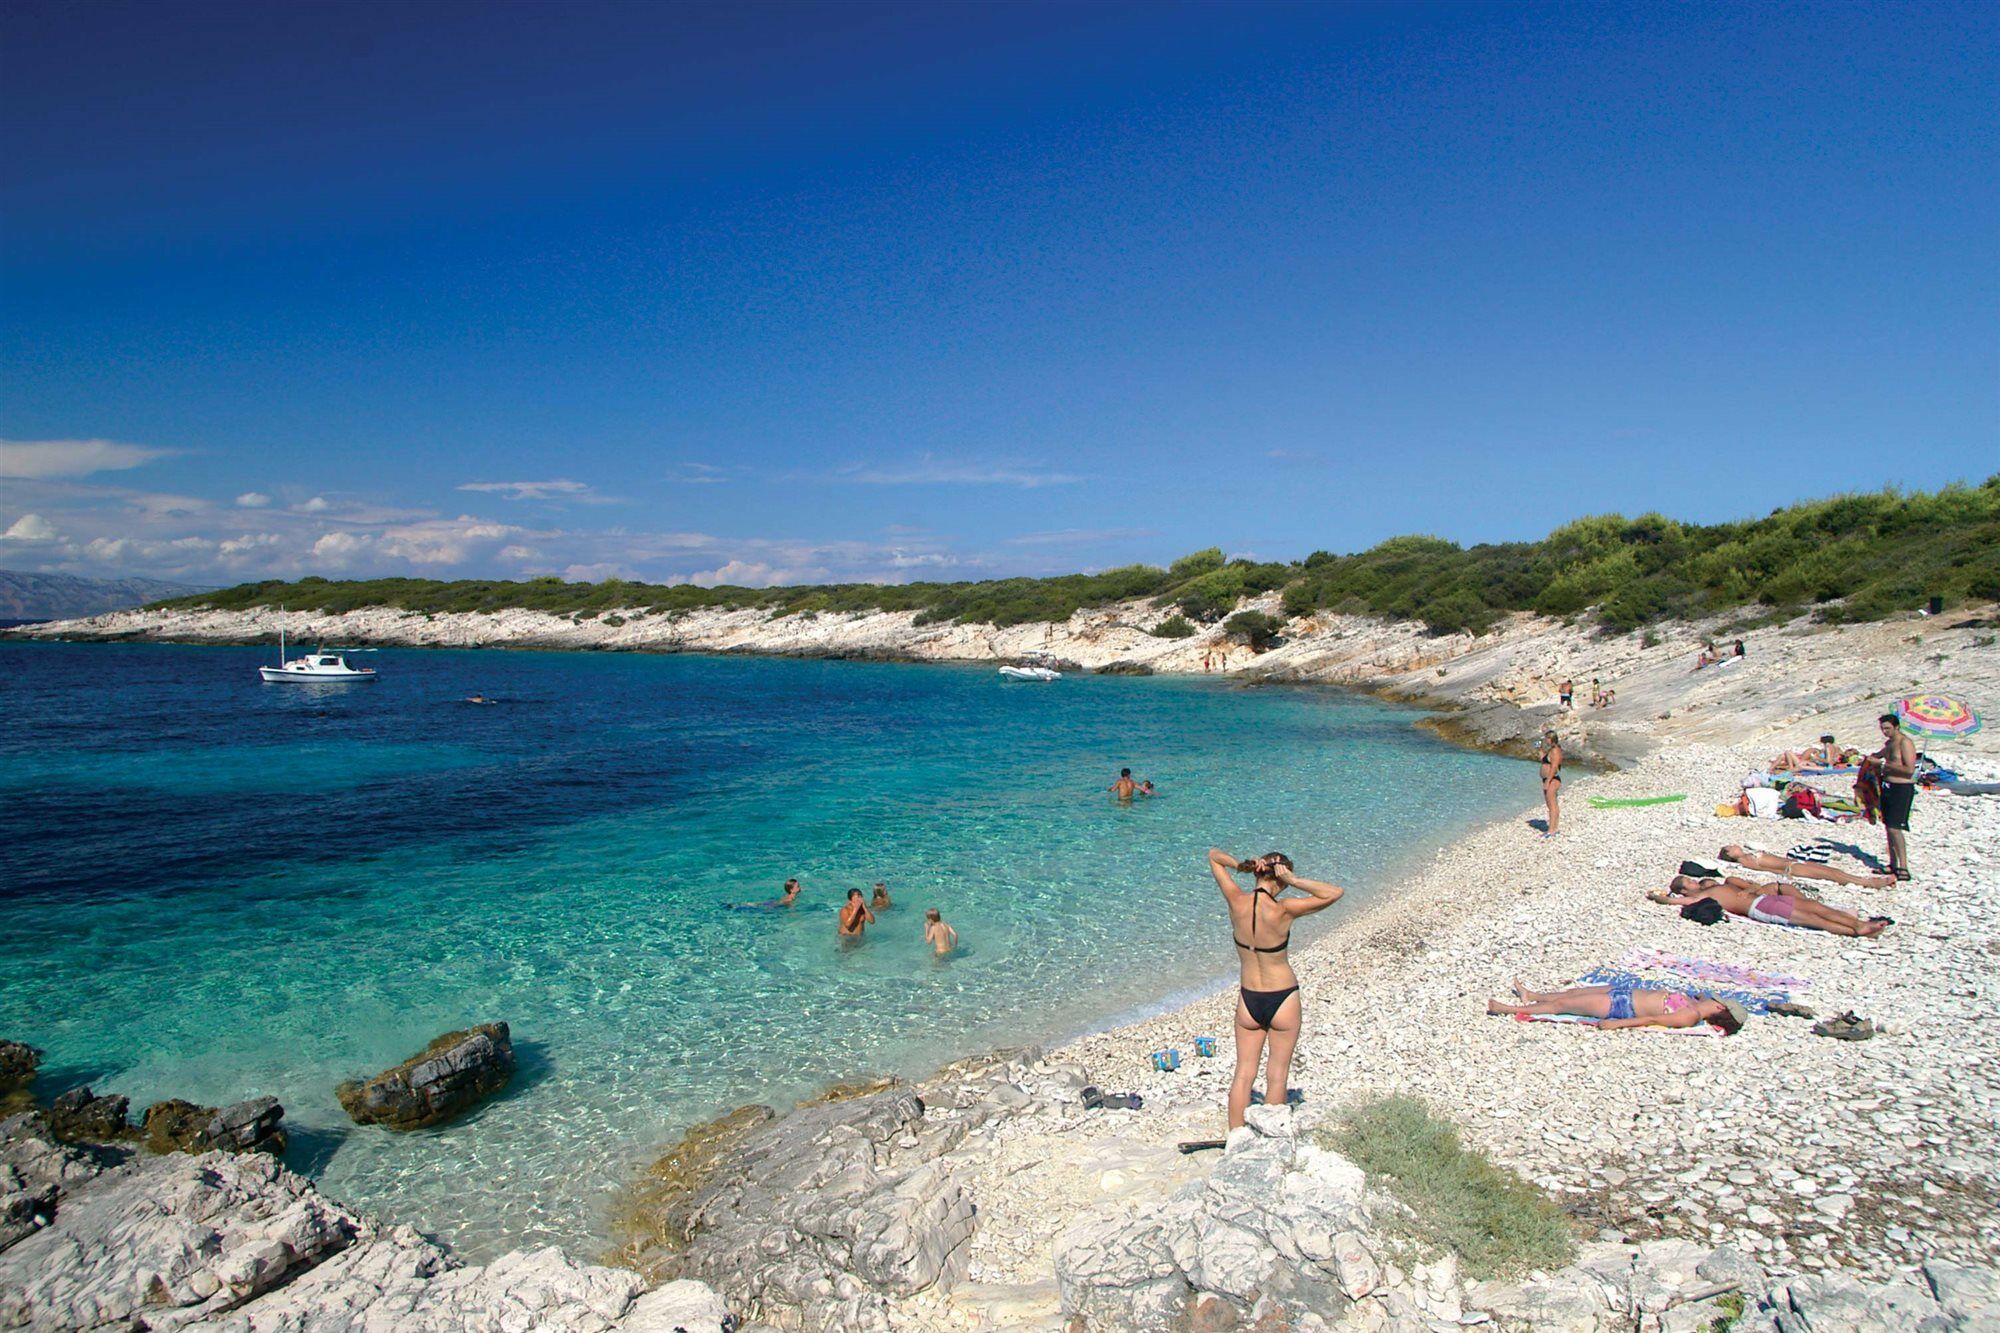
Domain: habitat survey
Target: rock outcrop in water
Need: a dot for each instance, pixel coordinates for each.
(81, 1116)
(236, 1242)
(249, 1126)
(445, 1079)
(18, 1063)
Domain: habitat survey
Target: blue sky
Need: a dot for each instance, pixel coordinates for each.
(797, 292)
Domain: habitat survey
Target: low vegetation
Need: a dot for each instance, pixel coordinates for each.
(1852, 557)
(1497, 1223)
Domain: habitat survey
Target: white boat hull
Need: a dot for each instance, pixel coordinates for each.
(1030, 673)
(318, 677)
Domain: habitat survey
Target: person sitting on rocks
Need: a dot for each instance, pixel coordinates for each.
(1777, 904)
(1268, 1009)
(937, 934)
(855, 916)
(1626, 1006)
(1800, 867)
(881, 902)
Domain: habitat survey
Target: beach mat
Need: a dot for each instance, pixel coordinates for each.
(1619, 802)
(1698, 1030)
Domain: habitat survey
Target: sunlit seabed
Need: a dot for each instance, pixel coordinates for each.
(215, 888)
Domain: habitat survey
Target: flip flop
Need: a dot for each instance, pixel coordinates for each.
(1786, 1009)
(1092, 1099)
(1847, 1027)
(1293, 1097)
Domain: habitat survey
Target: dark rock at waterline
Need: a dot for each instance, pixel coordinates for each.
(251, 1126)
(449, 1076)
(1123, 667)
(18, 1063)
(81, 1116)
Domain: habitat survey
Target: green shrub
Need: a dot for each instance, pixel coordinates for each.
(1497, 1223)
(1196, 563)
(1173, 627)
(1255, 627)
(614, 622)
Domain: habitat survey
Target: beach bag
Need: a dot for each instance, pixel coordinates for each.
(1800, 803)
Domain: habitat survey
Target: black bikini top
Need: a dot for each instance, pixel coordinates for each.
(1280, 946)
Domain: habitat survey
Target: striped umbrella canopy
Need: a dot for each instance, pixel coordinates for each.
(1936, 716)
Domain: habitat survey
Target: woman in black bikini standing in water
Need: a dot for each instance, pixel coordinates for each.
(1267, 1008)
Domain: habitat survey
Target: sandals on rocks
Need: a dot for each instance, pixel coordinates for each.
(1094, 1100)
(1847, 1027)
(1293, 1097)
(1786, 1009)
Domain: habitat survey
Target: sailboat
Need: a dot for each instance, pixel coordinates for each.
(319, 665)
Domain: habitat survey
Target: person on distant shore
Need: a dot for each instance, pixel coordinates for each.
(1596, 692)
(1756, 858)
(1125, 788)
(941, 937)
(1551, 761)
(1895, 768)
(1268, 1009)
(855, 916)
(881, 901)
(1769, 903)
(1627, 1006)
(1568, 691)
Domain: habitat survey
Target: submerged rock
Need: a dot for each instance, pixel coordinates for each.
(250, 1126)
(18, 1063)
(81, 1116)
(446, 1078)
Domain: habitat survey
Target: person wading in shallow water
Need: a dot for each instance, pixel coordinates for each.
(1268, 1010)
(854, 916)
(1552, 770)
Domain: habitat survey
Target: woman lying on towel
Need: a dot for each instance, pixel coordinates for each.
(1778, 904)
(1626, 1006)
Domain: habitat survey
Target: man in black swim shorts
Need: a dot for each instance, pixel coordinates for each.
(1898, 776)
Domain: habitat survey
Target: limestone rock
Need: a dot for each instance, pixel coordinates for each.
(18, 1063)
(446, 1078)
(677, 1306)
(249, 1126)
(81, 1116)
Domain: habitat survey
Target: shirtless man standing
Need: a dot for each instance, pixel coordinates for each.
(855, 916)
(1125, 789)
(1753, 858)
(1778, 904)
(1898, 776)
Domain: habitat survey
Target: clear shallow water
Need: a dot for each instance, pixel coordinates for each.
(213, 888)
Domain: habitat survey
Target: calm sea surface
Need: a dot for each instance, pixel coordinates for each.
(214, 888)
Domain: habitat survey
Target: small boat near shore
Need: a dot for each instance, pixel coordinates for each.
(1030, 669)
(320, 666)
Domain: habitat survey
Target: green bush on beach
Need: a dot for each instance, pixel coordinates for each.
(1848, 558)
(1497, 1223)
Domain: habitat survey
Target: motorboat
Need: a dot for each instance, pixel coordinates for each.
(1030, 672)
(321, 665)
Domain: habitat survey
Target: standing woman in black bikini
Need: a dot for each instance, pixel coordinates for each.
(1267, 1007)
(1552, 779)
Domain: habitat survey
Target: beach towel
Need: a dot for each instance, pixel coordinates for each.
(1757, 999)
(1704, 969)
(1617, 802)
(1698, 1030)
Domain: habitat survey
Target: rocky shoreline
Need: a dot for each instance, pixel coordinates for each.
(1777, 1179)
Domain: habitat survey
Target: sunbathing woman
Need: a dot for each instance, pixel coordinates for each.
(1778, 904)
(1756, 858)
(1627, 1006)
(1267, 1007)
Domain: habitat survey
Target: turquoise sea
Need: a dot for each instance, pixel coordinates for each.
(214, 888)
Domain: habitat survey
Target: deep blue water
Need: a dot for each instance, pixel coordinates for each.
(214, 888)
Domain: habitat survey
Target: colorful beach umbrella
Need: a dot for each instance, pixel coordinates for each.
(1936, 717)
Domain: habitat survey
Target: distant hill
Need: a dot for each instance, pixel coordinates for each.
(61, 596)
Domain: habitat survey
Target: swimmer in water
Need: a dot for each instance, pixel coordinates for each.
(855, 916)
(1125, 788)
(880, 902)
(937, 934)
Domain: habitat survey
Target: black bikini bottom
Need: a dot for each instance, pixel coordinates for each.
(1263, 1005)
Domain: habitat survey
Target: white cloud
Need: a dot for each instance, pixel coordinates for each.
(341, 547)
(558, 489)
(71, 458)
(444, 541)
(930, 470)
(698, 474)
(519, 554)
(30, 528)
(751, 574)
(252, 500)
(319, 504)
(250, 543)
